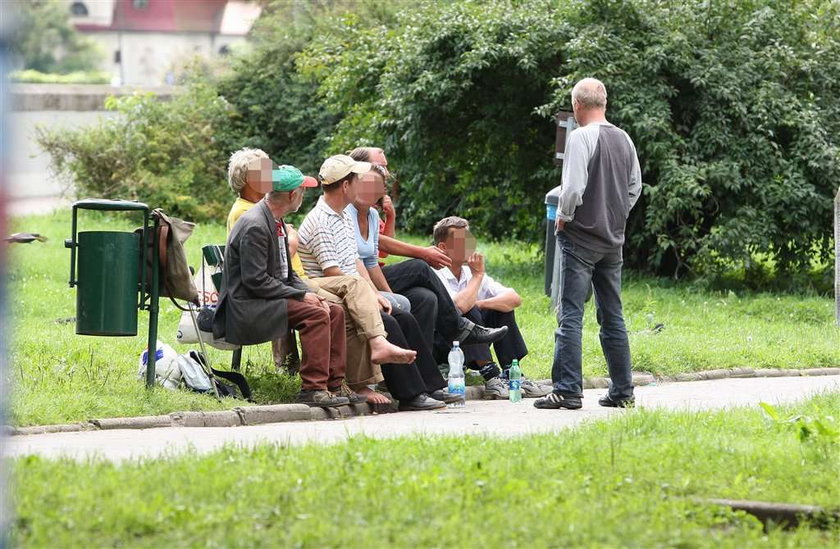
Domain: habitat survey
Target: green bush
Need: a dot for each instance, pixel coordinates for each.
(450, 92)
(734, 108)
(279, 107)
(174, 154)
(44, 40)
(78, 77)
(167, 154)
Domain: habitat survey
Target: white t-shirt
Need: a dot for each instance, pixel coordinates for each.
(489, 287)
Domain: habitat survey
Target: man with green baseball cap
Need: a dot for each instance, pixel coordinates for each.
(288, 178)
(264, 297)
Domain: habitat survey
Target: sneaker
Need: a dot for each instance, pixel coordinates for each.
(554, 401)
(323, 399)
(608, 402)
(495, 389)
(420, 403)
(533, 390)
(480, 334)
(344, 391)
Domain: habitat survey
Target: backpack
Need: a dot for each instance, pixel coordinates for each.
(194, 372)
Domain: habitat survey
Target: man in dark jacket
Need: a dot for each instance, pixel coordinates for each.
(263, 297)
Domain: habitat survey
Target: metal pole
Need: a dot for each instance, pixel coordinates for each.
(72, 246)
(154, 294)
(837, 257)
(6, 26)
(556, 294)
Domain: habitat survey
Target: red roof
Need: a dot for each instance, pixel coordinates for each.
(165, 16)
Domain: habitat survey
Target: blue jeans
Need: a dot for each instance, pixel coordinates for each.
(397, 301)
(581, 269)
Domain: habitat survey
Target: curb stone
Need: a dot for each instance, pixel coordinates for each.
(142, 422)
(206, 419)
(46, 429)
(715, 374)
(254, 415)
(820, 372)
(281, 413)
(772, 372)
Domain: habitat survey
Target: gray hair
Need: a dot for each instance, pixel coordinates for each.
(590, 93)
(363, 154)
(441, 230)
(238, 166)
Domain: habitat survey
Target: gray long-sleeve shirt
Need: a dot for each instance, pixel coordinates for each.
(601, 182)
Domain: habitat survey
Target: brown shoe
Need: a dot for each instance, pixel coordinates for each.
(345, 391)
(323, 399)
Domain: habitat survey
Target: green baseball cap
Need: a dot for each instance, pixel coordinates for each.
(287, 178)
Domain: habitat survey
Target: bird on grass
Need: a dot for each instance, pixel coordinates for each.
(24, 238)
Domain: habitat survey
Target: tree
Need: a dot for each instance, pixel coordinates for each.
(734, 107)
(45, 41)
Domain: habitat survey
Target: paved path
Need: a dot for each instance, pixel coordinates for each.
(498, 418)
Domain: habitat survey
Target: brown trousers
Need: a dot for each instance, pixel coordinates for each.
(322, 338)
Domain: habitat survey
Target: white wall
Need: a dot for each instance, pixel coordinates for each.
(32, 186)
(100, 12)
(148, 56)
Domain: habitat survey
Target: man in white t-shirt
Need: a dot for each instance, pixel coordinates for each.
(484, 301)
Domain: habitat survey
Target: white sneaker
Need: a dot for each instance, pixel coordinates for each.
(495, 389)
(534, 390)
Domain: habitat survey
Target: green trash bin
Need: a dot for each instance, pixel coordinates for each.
(108, 283)
(114, 281)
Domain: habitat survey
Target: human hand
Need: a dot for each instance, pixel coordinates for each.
(388, 207)
(435, 257)
(315, 299)
(476, 263)
(384, 304)
(559, 225)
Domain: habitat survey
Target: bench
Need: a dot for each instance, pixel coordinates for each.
(286, 354)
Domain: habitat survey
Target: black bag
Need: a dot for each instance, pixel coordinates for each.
(204, 319)
(240, 387)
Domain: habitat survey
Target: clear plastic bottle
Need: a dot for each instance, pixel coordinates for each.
(457, 381)
(515, 382)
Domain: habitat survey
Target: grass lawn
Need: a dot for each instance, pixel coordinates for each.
(58, 376)
(627, 482)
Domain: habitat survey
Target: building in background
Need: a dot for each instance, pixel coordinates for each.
(147, 42)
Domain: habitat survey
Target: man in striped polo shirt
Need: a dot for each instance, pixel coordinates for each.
(328, 252)
(601, 183)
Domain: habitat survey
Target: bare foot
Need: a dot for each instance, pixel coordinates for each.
(372, 396)
(383, 352)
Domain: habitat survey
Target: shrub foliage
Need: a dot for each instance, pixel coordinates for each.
(734, 107)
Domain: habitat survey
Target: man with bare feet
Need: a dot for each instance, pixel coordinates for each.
(328, 251)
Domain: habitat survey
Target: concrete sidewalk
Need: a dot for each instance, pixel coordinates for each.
(496, 418)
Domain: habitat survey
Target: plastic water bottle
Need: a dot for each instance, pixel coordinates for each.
(515, 382)
(457, 382)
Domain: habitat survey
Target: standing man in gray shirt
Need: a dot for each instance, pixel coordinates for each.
(601, 183)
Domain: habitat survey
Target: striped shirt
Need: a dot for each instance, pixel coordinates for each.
(327, 240)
